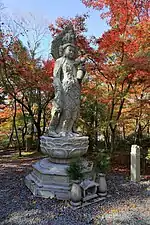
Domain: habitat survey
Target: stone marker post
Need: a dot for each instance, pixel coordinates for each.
(135, 163)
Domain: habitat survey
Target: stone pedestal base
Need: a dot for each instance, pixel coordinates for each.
(49, 177)
(50, 180)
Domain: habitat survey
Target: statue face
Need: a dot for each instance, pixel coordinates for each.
(70, 52)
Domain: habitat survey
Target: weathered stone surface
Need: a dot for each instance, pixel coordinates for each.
(76, 193)
(102, 189)
(46, 191)
(64, 147)
(68, 74)
(89, 188)
(50, 179)
(135, 163)
(89, 197)
(61, 142)
(89, 202)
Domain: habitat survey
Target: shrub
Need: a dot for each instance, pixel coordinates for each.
(74, 170)
(102, 162)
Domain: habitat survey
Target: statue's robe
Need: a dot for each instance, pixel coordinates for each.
(67, 94)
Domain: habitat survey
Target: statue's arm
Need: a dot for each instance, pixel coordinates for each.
(57, 85)
(80, 69)
(57, 70)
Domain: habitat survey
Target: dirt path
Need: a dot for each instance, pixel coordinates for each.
(129, 203)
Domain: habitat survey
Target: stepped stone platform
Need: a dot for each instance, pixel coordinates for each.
(49, 178)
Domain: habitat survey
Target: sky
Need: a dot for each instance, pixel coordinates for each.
(48, 11)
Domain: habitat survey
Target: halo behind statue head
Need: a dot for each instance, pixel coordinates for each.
(62, 40)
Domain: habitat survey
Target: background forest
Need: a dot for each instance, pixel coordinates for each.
(115, 97)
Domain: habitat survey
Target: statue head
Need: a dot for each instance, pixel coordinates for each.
(64, 44)
(70, 52)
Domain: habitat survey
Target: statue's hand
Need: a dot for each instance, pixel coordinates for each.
(58, 109)
(57, 105)
(80, 61)
(83, 60)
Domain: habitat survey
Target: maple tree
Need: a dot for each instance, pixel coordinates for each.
(136, 111)
(124, 59)
(116, 66)
(26, 80)
(117, 78)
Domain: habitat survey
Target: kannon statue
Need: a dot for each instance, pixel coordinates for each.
(68, 73)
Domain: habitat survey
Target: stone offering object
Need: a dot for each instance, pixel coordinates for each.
(135, 163)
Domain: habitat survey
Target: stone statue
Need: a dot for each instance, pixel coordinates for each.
(62, 143)
(68, 74)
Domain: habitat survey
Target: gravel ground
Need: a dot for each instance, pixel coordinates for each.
(129, 203)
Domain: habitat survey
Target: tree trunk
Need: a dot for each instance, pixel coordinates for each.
(11, 135)
(148, 130)
(24, 129)
(112, 148)
(124, 131)
(107, 139)
(44, 120)
(96, 125)
(15, 127)
(38, 136)
(113, 137)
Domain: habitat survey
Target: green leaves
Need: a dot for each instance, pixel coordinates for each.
(102, 162)
(74, 170)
